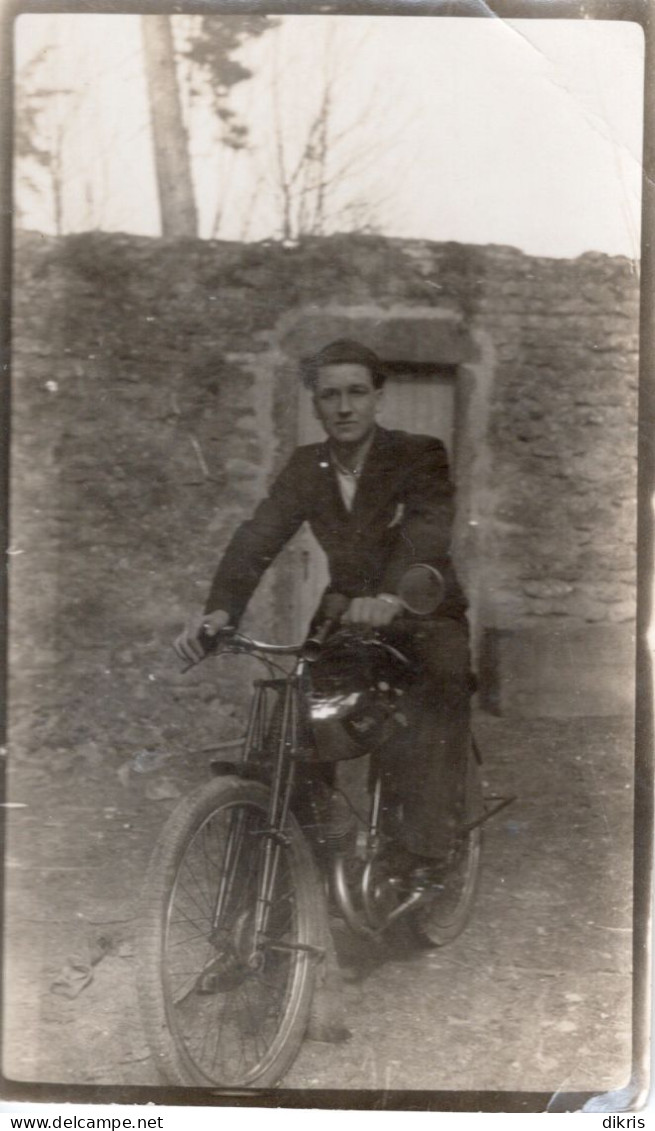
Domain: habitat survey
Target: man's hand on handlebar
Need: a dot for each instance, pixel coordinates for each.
(200, 627)
(374, 612)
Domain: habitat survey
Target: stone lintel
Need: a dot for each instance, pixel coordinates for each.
(436, 337)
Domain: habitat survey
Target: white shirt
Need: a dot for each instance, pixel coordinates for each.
(348, 488)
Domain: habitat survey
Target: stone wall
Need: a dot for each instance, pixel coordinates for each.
(563, 436)
(559, 550)
(155, 395)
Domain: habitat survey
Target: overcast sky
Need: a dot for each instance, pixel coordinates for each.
(483, 131)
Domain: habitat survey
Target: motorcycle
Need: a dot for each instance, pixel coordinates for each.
(234, 940)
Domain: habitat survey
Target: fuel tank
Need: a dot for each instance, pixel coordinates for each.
(356, 694)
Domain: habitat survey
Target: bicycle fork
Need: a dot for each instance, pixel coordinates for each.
(273, 834)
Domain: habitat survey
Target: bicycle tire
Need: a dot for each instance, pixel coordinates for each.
(249, 1033)
(447, 913)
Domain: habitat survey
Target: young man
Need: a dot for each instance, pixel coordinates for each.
(377, 501)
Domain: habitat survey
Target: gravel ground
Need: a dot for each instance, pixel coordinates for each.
(534, 996)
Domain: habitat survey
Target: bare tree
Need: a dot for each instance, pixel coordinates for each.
(172, 161)
(318, 181)
(44, 112)
(30, 152)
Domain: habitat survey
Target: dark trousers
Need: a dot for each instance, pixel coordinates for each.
(426, 766)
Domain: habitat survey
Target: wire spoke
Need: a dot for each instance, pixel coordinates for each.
(230, 1028)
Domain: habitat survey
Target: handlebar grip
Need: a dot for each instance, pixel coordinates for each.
(209, 644)
(210, 641)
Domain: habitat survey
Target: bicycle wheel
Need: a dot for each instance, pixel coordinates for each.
(212, 1014)
(444, 917)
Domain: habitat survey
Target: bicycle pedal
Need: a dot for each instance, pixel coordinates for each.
(209, 984)
(223, 976)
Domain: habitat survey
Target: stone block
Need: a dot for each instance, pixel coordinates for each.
(558, 670)
(612, 592)
(547, 589)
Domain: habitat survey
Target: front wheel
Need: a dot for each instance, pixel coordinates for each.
(223, 1003)
(445, 915)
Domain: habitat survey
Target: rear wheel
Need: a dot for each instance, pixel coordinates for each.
(444, 916)
(221, 1007)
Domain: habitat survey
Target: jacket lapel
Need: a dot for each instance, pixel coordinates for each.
(330, 486)
(381, 465)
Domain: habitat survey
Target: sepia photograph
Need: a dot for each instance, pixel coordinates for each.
(322, 600)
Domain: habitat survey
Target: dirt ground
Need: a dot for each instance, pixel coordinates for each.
(535, 995)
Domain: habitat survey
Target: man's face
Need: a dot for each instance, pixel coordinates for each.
(346, 401)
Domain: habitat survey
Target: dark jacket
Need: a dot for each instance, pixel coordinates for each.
(402, 513)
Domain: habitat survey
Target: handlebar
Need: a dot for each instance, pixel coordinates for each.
(231, 640)
(235, 641)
